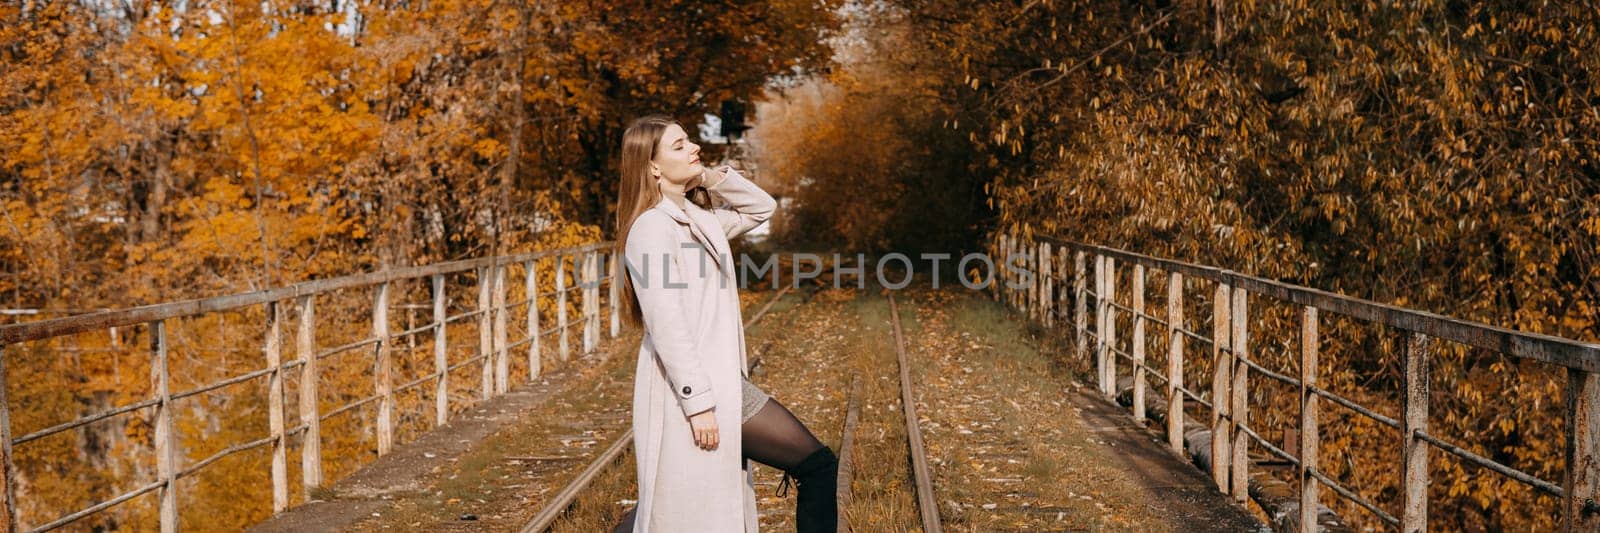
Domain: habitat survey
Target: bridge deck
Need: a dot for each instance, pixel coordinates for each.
(1016, 442)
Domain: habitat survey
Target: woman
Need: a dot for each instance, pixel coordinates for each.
(696, 417)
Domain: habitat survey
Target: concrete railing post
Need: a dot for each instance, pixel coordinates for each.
(562, 346)
(1080, 306)
(531, 288)
(1046, 286)
(165, 440)
(1138, 343)
(1310, 441)
(1414, 513)
(8, 507)
(614, 288)
(310, 411)
(486, 331)
(1175, 339)
(502, 356)
(1221, 379)
(273, 350)
(1109, 380)
(383, 382)
(1581, 478)
(1100, 322)
(441, 359)
(1239, 317)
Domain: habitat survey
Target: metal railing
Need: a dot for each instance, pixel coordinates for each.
(1231, 433)
(493, 354)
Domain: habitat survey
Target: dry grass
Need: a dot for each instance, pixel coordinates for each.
(501, 481)
(1009, 453)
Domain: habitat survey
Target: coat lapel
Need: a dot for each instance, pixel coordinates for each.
(678, 214)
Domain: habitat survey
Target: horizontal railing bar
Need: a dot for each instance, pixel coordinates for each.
(1146, 316)
(470, 360)
(1196, 336)
(1196, 397)
(1353, 497)
(347, 407)
(1319, 391)
(241, 378)
(43, 329)
(84, 421)
(224, 453)
(346, 347)
(519, 343)
(551, 329)
(416, 382)
(413, 331)
(1153, 373)
(1091, 293)
(1537, 346)
(466, 315)
(1269, 373)
(1274, 449)
(99, 507)
(1524, 477)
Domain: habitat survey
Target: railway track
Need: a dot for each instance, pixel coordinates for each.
(563, 499)
(916, 452)
(922, 476)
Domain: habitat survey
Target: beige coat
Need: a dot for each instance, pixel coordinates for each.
(692, 358)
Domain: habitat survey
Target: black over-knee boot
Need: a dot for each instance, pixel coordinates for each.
(816, 508)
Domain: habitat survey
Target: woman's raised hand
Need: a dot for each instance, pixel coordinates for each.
(704, 426)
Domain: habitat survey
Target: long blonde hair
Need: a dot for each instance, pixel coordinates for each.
(636, 194)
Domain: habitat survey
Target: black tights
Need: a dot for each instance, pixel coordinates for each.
(774, 437)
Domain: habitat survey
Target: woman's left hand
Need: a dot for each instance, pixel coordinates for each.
(710, 176)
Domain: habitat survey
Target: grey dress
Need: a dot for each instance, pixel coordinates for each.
(753, 399)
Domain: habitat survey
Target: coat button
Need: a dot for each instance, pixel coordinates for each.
(686, 391)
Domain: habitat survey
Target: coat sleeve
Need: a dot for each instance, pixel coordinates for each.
(660, 286)
(743, 205)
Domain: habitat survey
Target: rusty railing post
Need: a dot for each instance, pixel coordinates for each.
(1310, 441)
(382, 378)
(273, 348)
(305, 346)
(1220, 380)
(1414, 515)
(441, 359)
